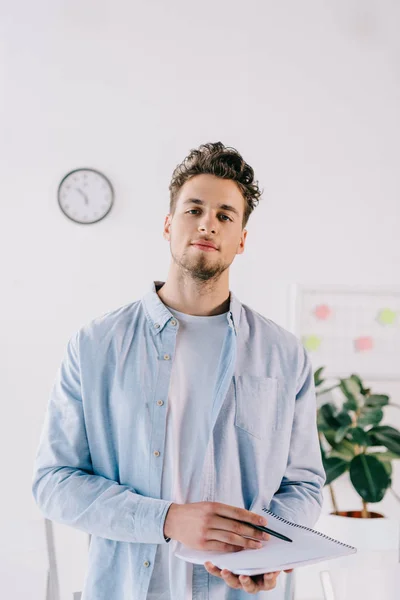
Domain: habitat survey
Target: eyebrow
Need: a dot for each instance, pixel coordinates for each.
(227, 207)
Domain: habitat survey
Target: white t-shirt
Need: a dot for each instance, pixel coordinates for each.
(193, 378)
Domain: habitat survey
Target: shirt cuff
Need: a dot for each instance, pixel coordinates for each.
(149, 521)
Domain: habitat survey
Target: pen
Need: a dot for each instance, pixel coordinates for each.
(270, 531)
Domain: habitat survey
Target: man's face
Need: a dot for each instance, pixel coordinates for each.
(200, 216)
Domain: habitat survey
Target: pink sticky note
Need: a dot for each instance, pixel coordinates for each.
(322, 311)
(363, 343)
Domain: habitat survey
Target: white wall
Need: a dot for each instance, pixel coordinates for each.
(308, 92)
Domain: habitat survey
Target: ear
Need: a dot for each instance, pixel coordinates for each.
(167, 227)
(242, 242)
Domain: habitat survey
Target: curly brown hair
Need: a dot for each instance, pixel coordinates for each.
(225, 162)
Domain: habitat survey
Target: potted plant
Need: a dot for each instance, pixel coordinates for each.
(354, 444)
(352, 440)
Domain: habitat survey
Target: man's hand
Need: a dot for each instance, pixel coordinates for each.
(214, 526)
(251, 585)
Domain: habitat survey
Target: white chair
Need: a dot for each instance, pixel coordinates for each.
(27, 560)
(361, 584)
(71, 552)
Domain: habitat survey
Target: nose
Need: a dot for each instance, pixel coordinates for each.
(207, 224)
(203, 228)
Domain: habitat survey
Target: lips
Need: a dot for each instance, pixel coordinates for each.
(204, 244)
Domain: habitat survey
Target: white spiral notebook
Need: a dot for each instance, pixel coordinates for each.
(307, 547)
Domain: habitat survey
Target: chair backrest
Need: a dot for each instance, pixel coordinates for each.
(27, 563)
(359, 583)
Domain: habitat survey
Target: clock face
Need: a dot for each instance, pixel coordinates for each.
(85, 196)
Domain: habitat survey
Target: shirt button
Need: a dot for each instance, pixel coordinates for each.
(160, 402)
(156, 453)
(146, 563)
(173, 322)
(166, 356)
(157, 325)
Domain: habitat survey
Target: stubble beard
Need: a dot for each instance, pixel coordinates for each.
(199, 268)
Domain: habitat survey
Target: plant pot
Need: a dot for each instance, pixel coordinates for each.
(377, 540)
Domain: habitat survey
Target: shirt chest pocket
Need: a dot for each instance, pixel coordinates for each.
(258, 405)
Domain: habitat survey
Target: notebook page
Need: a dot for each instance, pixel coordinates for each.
(307, 547)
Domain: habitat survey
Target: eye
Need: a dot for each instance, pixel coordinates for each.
(198, 210)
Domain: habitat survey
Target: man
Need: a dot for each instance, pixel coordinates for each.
(178, 416)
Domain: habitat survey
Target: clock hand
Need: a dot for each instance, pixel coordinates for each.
(83, 194)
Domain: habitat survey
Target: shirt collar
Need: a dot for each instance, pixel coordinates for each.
(158, 314)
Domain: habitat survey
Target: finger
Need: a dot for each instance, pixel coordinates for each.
(231, 579)
(238, 514)
(270, 580)
(249, 584)
(238, 528)
(288, 571)
(212, 569)
(232, 539)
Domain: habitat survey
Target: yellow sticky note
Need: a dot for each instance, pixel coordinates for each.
(386, 316)
(311, 342)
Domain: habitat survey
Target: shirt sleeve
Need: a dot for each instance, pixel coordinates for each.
(64, 485)
(299, 497)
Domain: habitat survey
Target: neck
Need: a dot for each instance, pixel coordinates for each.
(193, 297)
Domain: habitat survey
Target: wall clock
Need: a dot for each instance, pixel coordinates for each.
(85, 196)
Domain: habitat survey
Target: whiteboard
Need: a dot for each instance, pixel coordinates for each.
(349, 329)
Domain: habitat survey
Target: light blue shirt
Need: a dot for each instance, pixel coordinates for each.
(100, 458)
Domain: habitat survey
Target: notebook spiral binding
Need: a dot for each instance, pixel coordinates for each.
(269, 512)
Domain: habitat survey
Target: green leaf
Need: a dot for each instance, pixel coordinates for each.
(384, 456)
(321, 423)
(344, 418)
(344, 450)
(326, 390)
(341, 432)
(386, 436)
(358, 381)
(317, 379)
(369, 477)
(334, 467)
(351, 390)
(359, 436)
(330, 437)
(370, 416)
(384, 459)
(389, 470)
(327, 412)
(377, 400)
(350, 405)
